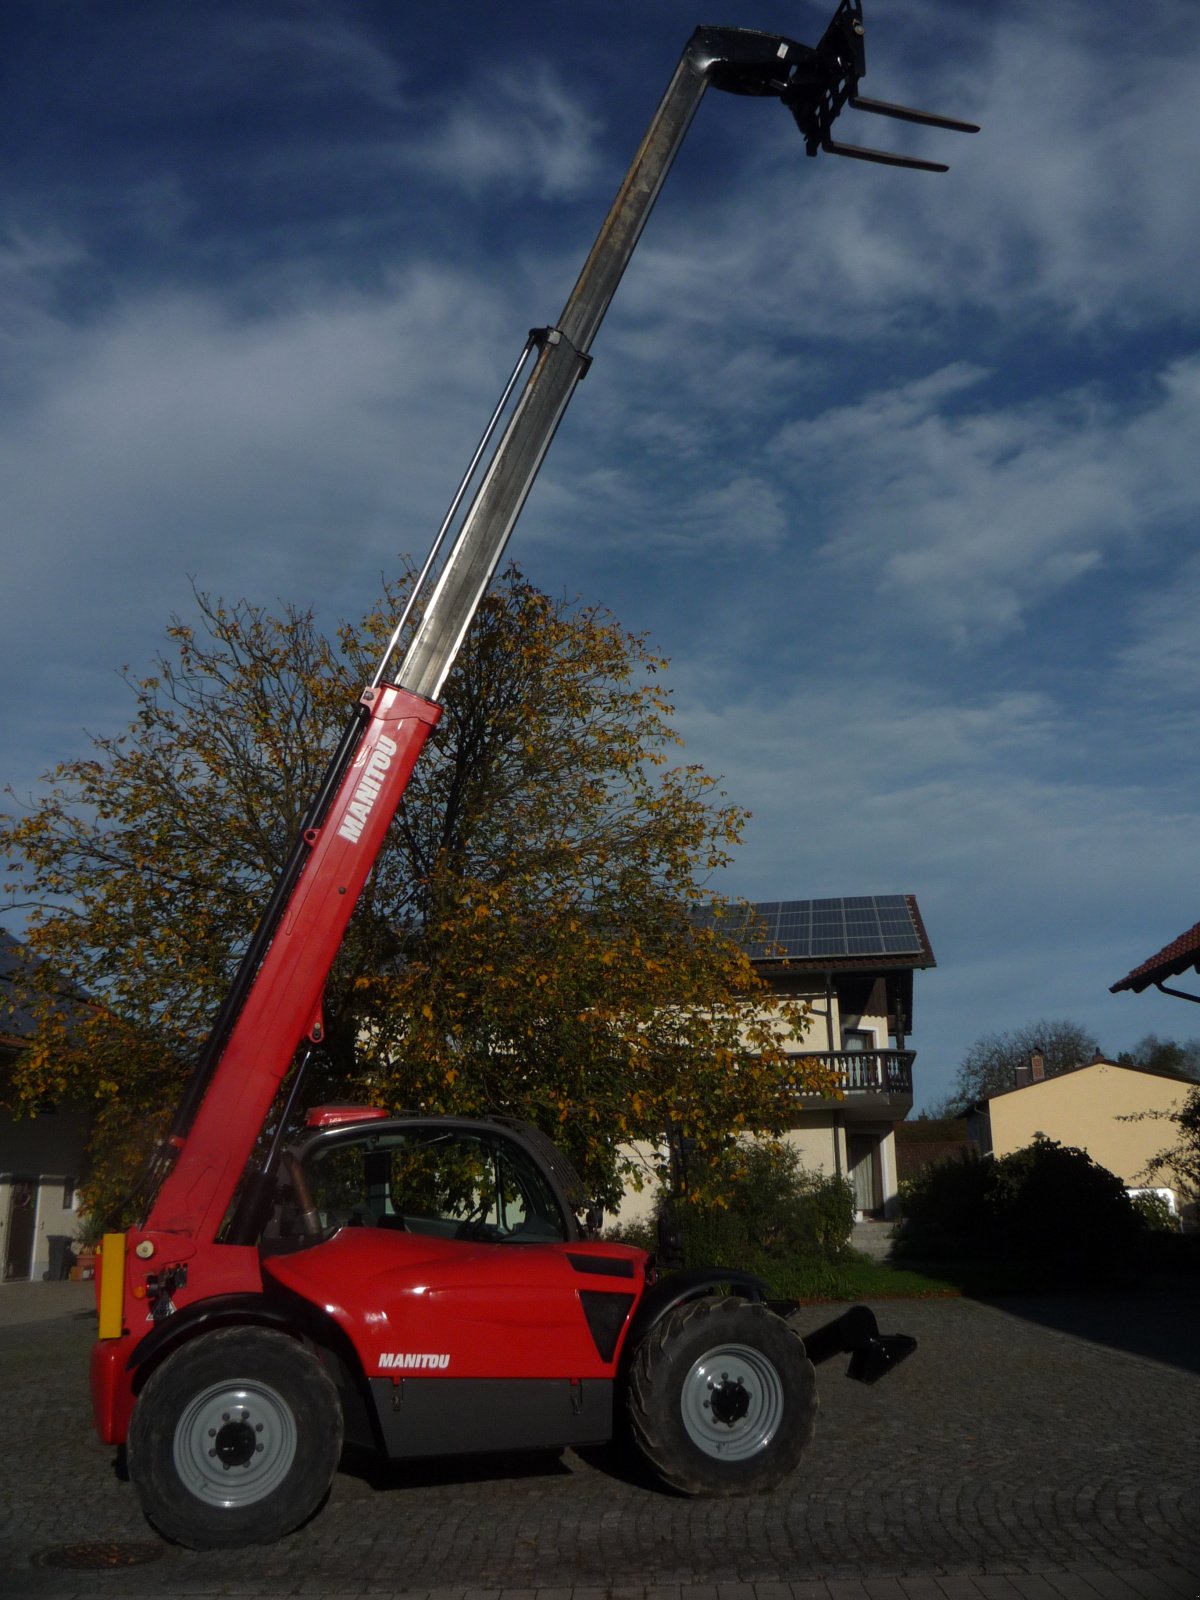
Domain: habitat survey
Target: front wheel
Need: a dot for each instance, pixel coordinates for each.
(722, 1398)
(235, 1439)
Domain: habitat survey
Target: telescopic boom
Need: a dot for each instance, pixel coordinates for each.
(272, 1017)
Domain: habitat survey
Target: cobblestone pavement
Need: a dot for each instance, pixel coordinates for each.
(1006, 1460)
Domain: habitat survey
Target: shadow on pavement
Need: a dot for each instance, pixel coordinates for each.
(379, 1473)
(1159, 1322)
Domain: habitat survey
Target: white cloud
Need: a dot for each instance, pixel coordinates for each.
(287, 455)
(867, 782)
(31, 261)
(1160, 659)
(1066, 211)
(968, 514)
(630, 515)
(1089, 139)
(319, 55)
(513, 135)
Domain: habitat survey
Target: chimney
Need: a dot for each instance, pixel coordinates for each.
(1022, 1074)
(1037, 1064)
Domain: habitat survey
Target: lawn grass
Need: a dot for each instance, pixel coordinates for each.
(855, 1276)
(858, 1277)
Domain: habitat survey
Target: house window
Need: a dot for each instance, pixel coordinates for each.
(857, 1039)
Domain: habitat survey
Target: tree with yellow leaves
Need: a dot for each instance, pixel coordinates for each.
(528, 942)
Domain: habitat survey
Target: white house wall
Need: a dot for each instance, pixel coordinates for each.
(637, 1205)
(820, 1141)
(54, 1214)
(45, 1150)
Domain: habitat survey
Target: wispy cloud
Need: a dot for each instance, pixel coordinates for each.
(972, 513)
(1079, 177)
(512, 135)
(1159, 658)
(316, 53)
(287, 453)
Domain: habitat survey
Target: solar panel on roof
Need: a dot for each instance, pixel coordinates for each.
(857, 926)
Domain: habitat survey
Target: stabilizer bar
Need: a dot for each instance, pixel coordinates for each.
(856, 1334)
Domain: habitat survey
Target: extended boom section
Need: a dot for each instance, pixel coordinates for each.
(284, 1005)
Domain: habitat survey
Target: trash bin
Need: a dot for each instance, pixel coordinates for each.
(61, 1257)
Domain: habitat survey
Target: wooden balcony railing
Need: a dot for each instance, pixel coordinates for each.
(869, 1071)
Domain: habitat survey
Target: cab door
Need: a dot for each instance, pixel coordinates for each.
(449, 1259)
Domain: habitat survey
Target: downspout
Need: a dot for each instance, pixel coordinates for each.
(832, 1048)
(1179, 994)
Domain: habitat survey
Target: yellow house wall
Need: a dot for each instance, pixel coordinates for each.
(818, 1027)
(821, 1143)
(1085, 1108)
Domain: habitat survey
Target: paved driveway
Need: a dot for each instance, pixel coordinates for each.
(1006, 1459)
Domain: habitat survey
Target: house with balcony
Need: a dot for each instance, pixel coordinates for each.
(851, 960)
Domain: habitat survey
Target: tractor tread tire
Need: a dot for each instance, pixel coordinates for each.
(670, 1364)
(189, 1411)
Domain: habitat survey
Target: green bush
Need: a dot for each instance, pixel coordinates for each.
(640, 1232)
(1055, 1207)
(767, 1214)
(946, 1210)
(1048, 1207)
(1155, 1213)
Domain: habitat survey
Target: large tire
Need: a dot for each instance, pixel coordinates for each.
(722, 1398)
(235, 1439)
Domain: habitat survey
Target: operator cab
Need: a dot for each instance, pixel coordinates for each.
(441, 1177)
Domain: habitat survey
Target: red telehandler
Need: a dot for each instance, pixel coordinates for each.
(422, 1285)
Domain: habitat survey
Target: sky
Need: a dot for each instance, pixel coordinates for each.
(901, 470)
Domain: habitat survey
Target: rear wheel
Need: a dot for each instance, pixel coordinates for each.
(235, 1439)
(722, 1398)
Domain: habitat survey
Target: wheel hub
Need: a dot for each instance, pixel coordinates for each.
(236, 1443)
(729, 1400)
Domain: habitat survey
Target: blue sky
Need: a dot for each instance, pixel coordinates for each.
(901, 470)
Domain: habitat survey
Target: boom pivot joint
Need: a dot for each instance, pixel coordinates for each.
(541, 337)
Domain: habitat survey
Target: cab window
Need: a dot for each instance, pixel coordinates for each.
(448, 1183)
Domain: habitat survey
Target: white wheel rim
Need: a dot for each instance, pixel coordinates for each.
(732, 1401)
(235, 1443)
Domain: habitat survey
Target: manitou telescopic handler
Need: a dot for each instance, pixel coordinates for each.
(421, 1285)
